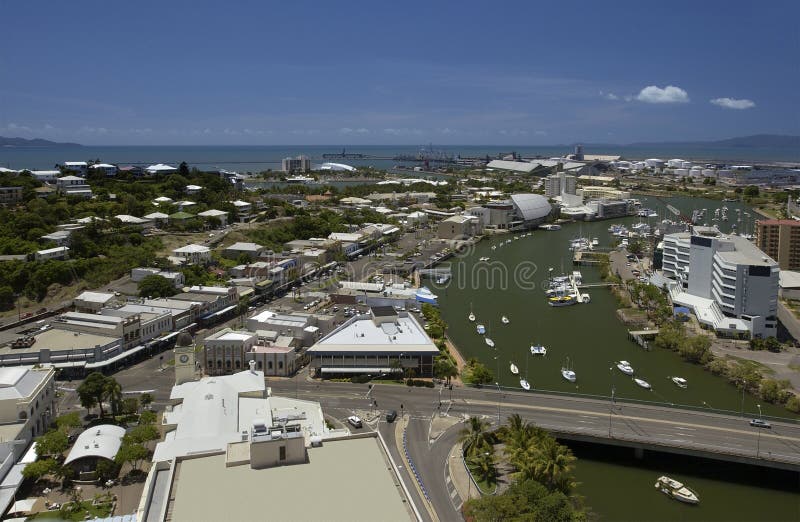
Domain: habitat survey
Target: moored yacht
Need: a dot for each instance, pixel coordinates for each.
(489, 342)
(514, 369)
(481, 329)
(641, 382)
(504, 320)
(674, 489)
(680, 382)
(538, 349)
(625, 367)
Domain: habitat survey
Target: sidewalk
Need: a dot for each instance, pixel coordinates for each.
(458, 475)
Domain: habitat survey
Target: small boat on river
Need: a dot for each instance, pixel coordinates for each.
(525, 384)
(641, 382)
(481, 329)
(504, 320)
(514, 369)
(489, 342)
(680, 382)
(538, 350)
(568, 373)
(625, 367)
(674, 489)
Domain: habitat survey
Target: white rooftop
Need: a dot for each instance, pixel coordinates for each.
(360, 333)
(189, 249)
(240, 203)
(103, 440)
(212, 213)
(19, 382)
(95, 297)
(245, 247)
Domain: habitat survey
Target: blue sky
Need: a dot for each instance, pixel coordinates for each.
(516, 73)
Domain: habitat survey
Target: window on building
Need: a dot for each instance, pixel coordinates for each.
(280, 365)
(269, 365)
(282, 451)
(227, 365)
(238, 364)
(260, 365)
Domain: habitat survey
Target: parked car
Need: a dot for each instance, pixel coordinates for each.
(354, 421)
(391, 415)
(760, 423)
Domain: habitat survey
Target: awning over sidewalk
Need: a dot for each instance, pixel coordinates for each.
(363, 369)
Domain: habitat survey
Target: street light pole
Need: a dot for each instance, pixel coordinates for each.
(611, 401)
(498, 404)
(758, 440)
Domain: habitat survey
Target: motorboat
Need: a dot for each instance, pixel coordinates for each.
(494, 247)
(489, 341)
(568, 373)
(481, 329)
(538, 349)
(483, 259)
(504, 320)
(514, 369)
(674, 489)
(525, 384)
(625, 367)
(641, 382)
(680, 382)
(551, 227)
(471, 315)
(562, 300)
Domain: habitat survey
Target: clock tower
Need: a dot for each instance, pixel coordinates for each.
(184, 359)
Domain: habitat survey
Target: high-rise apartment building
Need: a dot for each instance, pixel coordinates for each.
(780, 240)
(298, 164)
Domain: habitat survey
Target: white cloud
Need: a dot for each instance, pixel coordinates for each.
(446, 130)
(733, 103)
(402, 132)
(513, 132)
(609, 96)
(14, 127)
(47, 126)
(541, 133)
(94, 130)
(669, 94)
(348, 130)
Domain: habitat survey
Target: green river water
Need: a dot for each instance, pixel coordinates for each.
(592, 337)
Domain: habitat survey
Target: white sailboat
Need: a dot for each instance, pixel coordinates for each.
(471, 315)
(514, 369)
(523, 381)
(641, 382)
(568, 373)
(504, 320)
(489, 342)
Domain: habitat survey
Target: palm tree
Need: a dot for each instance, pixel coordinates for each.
(484, 465)
(474, 436)
(113, 392)
(553, 465)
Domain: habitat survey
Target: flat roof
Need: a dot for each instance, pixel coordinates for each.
(19, 382)
(56, 339)
(95, 297)
(361, 334)
(340, 489)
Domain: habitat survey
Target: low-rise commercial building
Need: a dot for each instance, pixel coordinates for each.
(458, 227)
(384, 341)
(193, 254)
(92, 302)
(176, 278)
(229, 351)
(59, 253)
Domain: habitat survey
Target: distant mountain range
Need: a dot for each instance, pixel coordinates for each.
(756, 141)
(36, 142)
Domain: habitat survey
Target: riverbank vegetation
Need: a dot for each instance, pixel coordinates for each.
(541, 482)
(444, 366)
(745, 375)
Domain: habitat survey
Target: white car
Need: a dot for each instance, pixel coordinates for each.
(354, 421)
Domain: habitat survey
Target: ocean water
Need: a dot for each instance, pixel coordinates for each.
(260, 158)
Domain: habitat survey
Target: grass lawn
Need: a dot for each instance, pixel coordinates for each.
(487, 488)
(86, 508)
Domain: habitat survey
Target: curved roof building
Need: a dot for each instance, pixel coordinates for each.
(531, 208)
(101, 441)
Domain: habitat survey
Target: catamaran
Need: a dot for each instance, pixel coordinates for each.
(538, 349)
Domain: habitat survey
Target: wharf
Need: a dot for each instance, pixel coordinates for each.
(588, 258)
(643, 337)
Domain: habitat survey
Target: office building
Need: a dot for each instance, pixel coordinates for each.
(559, 184)
(730, 284)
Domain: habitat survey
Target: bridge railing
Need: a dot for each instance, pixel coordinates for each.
(630, 400)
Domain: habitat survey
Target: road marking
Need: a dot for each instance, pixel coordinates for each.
(621, 416)
(447, 480)
(684, 428)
